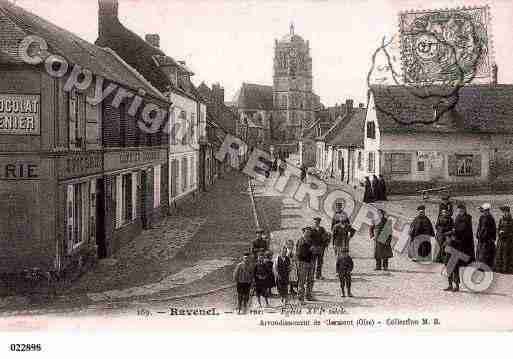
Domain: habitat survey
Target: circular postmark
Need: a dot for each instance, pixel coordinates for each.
(440, 52)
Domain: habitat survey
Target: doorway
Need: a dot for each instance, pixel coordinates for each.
(144, 190)
(100, 219)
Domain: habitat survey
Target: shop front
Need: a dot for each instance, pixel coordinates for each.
(134, 183)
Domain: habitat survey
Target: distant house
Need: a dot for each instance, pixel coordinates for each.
(221, 120)
(337, 150)
(470, 146)
(254, 105)
(325, 119)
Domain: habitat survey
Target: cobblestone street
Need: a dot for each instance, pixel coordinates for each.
(192, 251)
(407, 286)
(195, 270)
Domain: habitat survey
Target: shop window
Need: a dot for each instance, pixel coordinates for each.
(126, 191)
(371, 130)
(464, 165)
(126, 198)
(173, 190)
(78, 214)
(156, 186)
(400, 163)
(192, 172)
(371, 165)
(185, 166)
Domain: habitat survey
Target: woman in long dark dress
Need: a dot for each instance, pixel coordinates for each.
(382, 246)
(376, 189)
(367, 195)
(444, 227)
(504, 258)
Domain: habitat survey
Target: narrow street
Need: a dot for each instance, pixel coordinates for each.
(164, 271)
(193, 251)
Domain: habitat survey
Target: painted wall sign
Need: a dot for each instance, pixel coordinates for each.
(82, 164)
(20, 114)
(126, 159)
(11, 169)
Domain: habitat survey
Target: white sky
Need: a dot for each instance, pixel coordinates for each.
(231, 41)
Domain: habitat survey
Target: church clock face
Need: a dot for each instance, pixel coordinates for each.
(292, 52)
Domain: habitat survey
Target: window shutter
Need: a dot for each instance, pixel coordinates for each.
(119, 200)
(70, 218)
(92, 213)
(409, 157)
(134, 195)
(386, 164)
(452, 163)
(476, 165)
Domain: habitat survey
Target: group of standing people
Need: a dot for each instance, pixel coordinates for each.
(375, 189)
(294, 271)
(280, 165)
(454, 234)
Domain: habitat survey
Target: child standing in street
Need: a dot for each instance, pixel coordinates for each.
(291, 253)
(344, 268)
(281, 270)
(261, 279)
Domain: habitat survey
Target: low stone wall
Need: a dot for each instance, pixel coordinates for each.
(404, 187)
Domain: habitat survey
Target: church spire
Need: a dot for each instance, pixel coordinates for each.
(292, 28)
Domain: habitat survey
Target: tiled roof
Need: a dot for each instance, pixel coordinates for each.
(333, 130)
(351, 135)
(142, 56)
(479, 108)
(74, 49)
(254, 97)
(227, 119)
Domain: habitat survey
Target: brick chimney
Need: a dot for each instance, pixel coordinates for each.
(495, 73)
(349, 105)
(153, 40)
(107, 14)
(218, 93)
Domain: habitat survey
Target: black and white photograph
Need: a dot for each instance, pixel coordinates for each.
(262, 166)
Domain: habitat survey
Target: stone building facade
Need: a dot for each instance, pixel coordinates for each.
(78, 177)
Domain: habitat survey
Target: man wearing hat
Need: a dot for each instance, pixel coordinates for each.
(445, 205)
(504, 258)
(259, 244)
(340, 216)
(421, 229)
(243, 277)
(305, 272)
(463, 242)
(486, 236)
(320, 240)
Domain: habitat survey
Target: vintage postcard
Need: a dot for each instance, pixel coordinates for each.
(341, 166)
